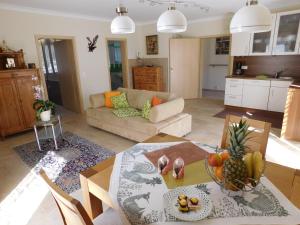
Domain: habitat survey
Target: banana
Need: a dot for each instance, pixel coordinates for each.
(258, 165)
(248, 159)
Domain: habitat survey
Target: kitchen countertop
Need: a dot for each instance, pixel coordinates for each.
(256, 78)
(295, 84)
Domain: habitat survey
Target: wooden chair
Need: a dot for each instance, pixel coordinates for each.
(71, 210)
(259, 136)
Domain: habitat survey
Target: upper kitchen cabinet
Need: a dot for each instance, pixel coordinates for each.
(240, 44)
(261, 43)
(287, 33)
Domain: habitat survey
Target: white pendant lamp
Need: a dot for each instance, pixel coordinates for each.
(253, 17)
(172, 21)
(122, 24)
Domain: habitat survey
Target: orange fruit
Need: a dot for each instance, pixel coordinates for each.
(219, 172)
(224, 155)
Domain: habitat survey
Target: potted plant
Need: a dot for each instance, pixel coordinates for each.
(44, 109)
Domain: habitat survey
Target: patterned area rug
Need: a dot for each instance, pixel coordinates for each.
(63, 166)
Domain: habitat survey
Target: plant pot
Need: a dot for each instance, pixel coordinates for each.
(45, 116)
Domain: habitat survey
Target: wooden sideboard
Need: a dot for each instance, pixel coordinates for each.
(148, 78)
(16, 99)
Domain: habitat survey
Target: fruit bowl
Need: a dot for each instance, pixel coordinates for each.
(252, 161)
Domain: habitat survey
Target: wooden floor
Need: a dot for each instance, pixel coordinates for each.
(13, 172)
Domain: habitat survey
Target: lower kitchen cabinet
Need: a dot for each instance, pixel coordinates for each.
(255, 97)
(277, 99)
(268, 95)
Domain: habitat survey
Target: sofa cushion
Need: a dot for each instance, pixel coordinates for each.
(146, 109)
(105, 115)
(126, 112)
(97, 100)
(120, 101)
(108, 96)
(166, 110)
(156, 101)
(137, 98)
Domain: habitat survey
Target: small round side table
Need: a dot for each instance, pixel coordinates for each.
(51, 129)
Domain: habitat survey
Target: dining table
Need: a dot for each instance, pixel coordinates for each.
(130, 183)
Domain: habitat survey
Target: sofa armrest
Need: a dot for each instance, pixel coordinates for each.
(166, 110)
(97, 100)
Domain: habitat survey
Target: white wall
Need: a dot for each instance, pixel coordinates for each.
(19, 30)
(213, 77)
(203, 28)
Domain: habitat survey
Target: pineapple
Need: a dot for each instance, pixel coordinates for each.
(235, 170)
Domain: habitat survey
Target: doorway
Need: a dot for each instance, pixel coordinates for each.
(215, 60)
(117, 53)
(57, 57)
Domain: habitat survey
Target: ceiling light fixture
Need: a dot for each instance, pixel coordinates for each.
(122, 24)
(172, 21)
(253, 17)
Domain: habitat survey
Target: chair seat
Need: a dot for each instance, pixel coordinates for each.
(108, 217)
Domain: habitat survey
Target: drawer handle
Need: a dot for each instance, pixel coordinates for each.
(234, 85)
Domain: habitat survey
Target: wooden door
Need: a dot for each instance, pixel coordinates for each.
(10, 113)
(25, 90)
(185, 67)
(67, 75)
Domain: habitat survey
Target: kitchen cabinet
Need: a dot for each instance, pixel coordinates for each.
(287, 33)
(240, 44)
(261, 43)
(278, 95)
(256, 94)
(233, 92)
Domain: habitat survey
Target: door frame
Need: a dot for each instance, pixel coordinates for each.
(77, 76)
(230, 63)
(124, 52)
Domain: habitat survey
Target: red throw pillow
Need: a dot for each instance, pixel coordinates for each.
(156, 101)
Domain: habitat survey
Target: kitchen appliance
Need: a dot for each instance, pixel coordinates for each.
(238, 68)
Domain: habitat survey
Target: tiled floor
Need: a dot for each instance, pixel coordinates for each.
(23, 193)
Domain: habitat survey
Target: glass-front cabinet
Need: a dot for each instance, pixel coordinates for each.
(261, 43)
(287, 33)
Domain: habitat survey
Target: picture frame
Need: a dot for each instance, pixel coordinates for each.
(152, 44)
(10, 63)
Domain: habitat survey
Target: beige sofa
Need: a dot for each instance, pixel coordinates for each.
(167, 117)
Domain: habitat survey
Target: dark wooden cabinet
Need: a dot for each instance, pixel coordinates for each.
(148, 78)
(16, 99)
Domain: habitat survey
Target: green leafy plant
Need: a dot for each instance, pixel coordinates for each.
(41, 106)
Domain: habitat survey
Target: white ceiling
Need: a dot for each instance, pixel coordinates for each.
(140, 12)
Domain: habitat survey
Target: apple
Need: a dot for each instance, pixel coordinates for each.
(214, 159)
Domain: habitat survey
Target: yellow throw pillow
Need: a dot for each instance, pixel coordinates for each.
(108, 95)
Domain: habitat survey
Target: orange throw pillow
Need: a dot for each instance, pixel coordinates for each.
(108, 95)
(156, 101)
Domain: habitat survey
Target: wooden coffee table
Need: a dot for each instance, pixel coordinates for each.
(95, 181)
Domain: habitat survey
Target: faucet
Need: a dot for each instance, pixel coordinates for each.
(278, 74)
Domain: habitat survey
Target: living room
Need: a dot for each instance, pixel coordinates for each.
(158, 115)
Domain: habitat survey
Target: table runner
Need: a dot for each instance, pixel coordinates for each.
(137, 192)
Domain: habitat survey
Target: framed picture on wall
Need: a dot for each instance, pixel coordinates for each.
(152, 44)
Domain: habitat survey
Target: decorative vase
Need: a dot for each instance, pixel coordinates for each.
(45, 116)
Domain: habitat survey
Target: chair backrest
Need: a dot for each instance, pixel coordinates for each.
(259, 136)
(71, 209)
